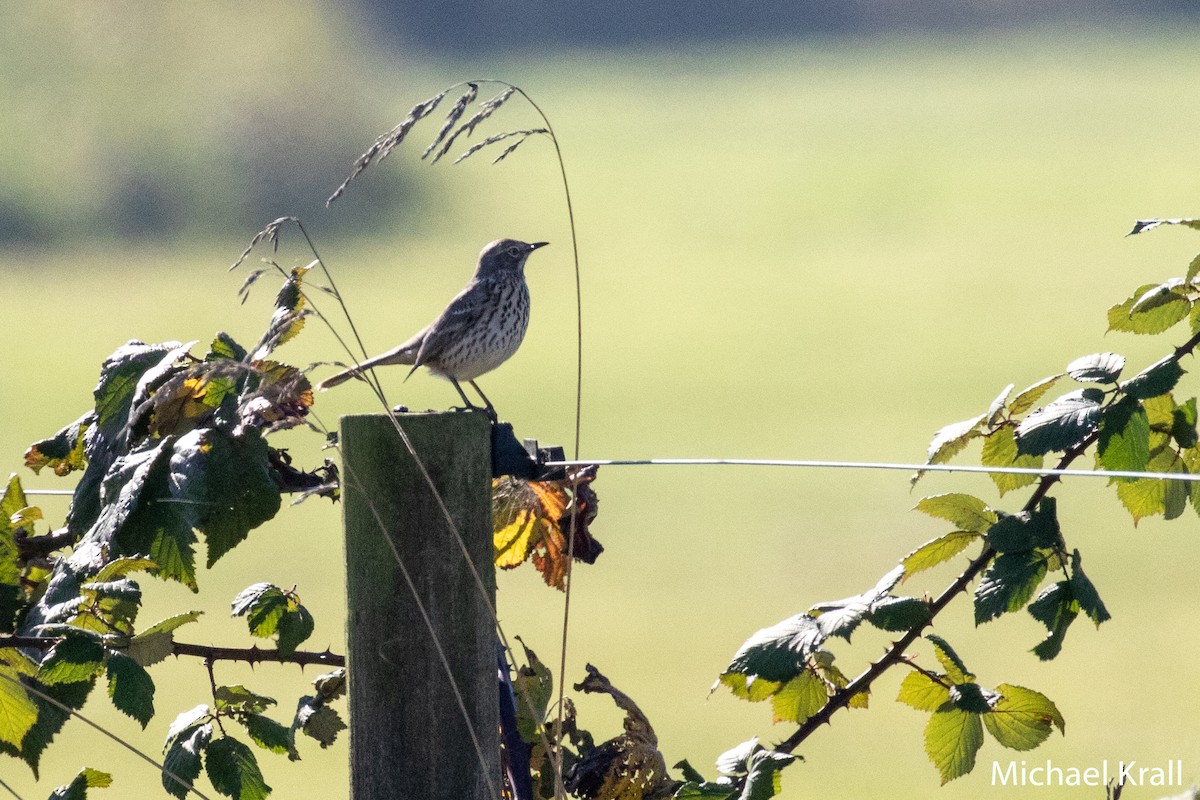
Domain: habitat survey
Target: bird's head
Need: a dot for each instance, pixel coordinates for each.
(505, 255)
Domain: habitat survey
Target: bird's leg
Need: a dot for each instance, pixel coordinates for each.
(462, 394)
(489, 409)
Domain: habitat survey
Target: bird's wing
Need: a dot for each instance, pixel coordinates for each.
(462, 312)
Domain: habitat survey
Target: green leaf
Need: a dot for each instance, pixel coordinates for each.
(157, 642)
(1085, 592)
(841, 617)
(1022, 718)
(778, 653)
(1193, 270)
(967, 512)
(898, 613)
(533, 686)
(223, 486)
(799, 698)
(971, 697)
(142, 521)
(704, 790)
(318, 721)
(923, 693)
(223, 347)
(18, 711)
(295, 627)
(50, 718)
(1156, 314)
(763, 779)
(1097, 368)
(1156, 379)
(264, 606)
(748, 687)
(76, 658)
(1008, 584)
(270, 735)
(130, 687)
(1123, 442)
(239, 698)
(1000, 450)
(332, 685)
(120, 567)
(181, 765)
(1145, 497)
(950, 440)
(734, 761)
(956, 670)
(1183, 424)
(1027, 530)
(12, 502)
(1056, 608)
(233, 770)
(87, 778)
(289, 315)
(952, 738)
(1028, 397)
(935, 551)
(1062, 424)
(996, 409)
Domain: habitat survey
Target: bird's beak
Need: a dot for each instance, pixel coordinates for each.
(536, 245)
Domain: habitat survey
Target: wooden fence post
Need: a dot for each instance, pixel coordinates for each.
(408, 736)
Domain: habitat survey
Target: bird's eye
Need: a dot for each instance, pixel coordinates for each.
(514, 251)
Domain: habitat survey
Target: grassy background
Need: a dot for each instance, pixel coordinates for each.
(825, 250)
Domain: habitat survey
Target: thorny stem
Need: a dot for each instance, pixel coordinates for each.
(249, 655)
(895, 653)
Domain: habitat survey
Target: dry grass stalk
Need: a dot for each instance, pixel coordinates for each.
(388, 142)
(485, 110)
(453, 117)
(525, 134)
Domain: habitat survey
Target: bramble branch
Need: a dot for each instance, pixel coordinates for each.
(250, 655)
(895, 653)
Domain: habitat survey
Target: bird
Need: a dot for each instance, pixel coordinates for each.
(478, 331)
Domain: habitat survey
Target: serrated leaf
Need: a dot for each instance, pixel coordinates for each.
(239, 698)
(87, 778)
(74, 659)
(332, 685)
(270, 735)
(263, 605)
(157, 642)
(319, 722)
(763, 779)
(956, 670)
(950, 440)
(1061, 424)
(748, 687)
(120, 567)
(1028, 397)
(1021, 718)
(935, 551)
(223, 485)
(1149, 318)
(799, 698)
(63, 452)
(923, 693)
(897, 614)
(996, 409)
(181, 765)
(1085, 592)
(1183, 425)
(533, 686)
(1097, 368)
(185, 722)
(1123, 442)
(1027, 530)
(841, 617)
(1000, 450)
(967, 512)
(704, 790)
(1155, 380)
(18, 711)
(778, 653)
(1056, 608)
(1008, 584)
(130, 688)
(294, 628)
(1145, 497)
(733, 762)
(233, 770)
(952, 738)
(971, 697)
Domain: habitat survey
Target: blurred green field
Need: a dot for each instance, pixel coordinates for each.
(819, 250)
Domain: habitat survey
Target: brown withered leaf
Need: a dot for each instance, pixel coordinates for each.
(62, 452)
(626, 767)
(531, 520)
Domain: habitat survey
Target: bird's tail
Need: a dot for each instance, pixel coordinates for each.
(404, 354)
